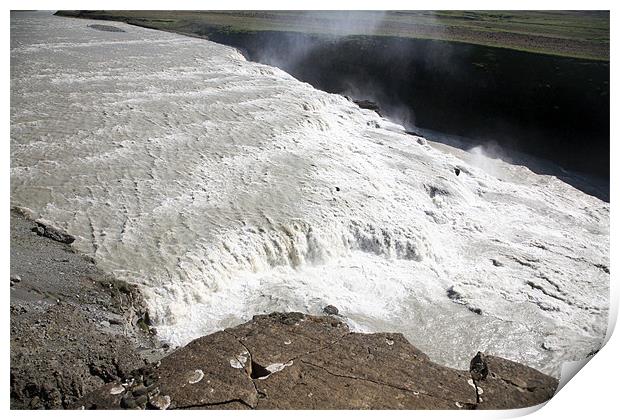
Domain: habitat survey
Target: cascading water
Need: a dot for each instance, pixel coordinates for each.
(226, 188)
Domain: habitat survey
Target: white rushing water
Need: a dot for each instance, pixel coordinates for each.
(227, 188)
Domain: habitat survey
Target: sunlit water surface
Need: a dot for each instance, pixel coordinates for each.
(226, 188)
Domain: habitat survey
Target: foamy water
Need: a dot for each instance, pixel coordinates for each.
(227, 188)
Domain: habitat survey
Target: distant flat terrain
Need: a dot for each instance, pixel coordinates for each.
(578, 34)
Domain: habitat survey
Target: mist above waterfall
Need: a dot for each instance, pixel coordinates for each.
(226, 188)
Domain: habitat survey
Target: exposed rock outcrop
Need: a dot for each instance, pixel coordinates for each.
(366, 104)
(73, 328)
(47, 229)
(297, 361)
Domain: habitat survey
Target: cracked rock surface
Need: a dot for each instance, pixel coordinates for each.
(298, 361)
(513, 385)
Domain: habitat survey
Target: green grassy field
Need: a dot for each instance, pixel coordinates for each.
(579, 34)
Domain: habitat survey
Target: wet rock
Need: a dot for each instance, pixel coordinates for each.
(602, 267)
(456, 297)
(453, 294)
(366, 104)
(47, 229)
(330, 310)
(413, 133)
(477, 311)
(478, 370)
(478, 367)
(106, 28)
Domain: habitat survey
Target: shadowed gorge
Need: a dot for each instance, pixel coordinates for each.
(553, 106)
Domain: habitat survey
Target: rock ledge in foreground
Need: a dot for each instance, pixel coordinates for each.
(297, 361)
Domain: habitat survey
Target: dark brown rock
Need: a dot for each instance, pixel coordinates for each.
(225, 364)
(389, 359)
(512, 385)
(331, 309)
(306, 386)
(63, 356)
(296, 361)
(478, 367)
(278, 338)
(366, 104)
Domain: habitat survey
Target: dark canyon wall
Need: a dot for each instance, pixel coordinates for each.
(551, 107)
